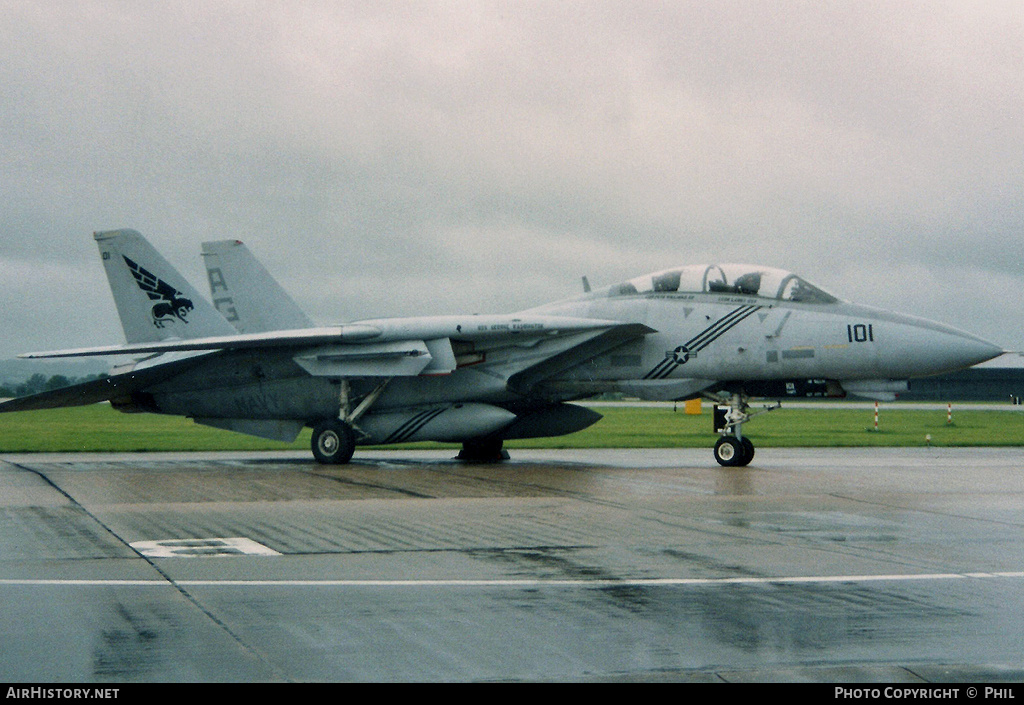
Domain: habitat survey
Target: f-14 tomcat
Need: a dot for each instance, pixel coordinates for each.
(252, 362)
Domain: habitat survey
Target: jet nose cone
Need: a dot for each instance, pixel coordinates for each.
(977, 350)
(985, 350)
(957, 350)
(908, 346)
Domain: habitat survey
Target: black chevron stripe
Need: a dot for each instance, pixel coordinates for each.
(668, 364)
(410, 427)
(720, 327)
(665, 372)
(707, 336)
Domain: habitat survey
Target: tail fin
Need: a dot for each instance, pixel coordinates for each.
(245, 292)
(154, 301)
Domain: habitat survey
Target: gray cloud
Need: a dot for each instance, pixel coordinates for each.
(398, 158)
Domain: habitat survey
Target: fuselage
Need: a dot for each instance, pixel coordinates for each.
(753, 330)
(252, 362)
(729, 337)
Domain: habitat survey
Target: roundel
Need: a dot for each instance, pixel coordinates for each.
(681, 354)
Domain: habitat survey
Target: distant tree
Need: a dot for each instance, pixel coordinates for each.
(35, 384)
(41, 383)
(56, 382)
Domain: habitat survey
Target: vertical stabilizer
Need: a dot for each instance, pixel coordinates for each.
(245, 292)
(153, 299)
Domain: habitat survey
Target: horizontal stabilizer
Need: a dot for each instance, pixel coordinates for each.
(76, 395)
(114, 387)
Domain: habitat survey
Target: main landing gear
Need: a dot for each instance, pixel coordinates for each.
(334, 440)
(733, 449)
(486, 450)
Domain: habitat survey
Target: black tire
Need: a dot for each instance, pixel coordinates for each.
(748, 451)
(333, 442)
(729, 452)
(483, 451)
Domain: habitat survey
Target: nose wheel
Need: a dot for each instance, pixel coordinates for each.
(733, 449)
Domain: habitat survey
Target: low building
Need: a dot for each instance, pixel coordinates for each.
(991, 384)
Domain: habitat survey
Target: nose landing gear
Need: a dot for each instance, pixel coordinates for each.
(733, 449)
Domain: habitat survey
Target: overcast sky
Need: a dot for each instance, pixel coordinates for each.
(416, 158)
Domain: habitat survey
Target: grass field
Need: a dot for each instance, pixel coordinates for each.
(100, 428)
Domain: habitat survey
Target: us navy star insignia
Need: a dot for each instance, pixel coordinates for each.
(681, 354)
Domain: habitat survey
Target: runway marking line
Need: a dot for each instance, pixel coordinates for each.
(524, 583)
(191, 548)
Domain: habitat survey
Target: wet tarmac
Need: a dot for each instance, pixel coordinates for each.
(853, 565)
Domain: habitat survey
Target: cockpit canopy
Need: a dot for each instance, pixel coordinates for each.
(740, 279)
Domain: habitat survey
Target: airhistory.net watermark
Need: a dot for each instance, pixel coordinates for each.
(39, 693)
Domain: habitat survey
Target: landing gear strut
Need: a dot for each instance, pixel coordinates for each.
(334, 440)
(733, 449)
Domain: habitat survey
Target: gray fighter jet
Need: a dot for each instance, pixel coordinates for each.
(253, 362)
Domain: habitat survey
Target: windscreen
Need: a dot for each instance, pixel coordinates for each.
(741, 279)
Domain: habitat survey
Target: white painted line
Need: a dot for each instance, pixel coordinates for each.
(593, 583)
(521, 583)
(89, 582)
(191, 548)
